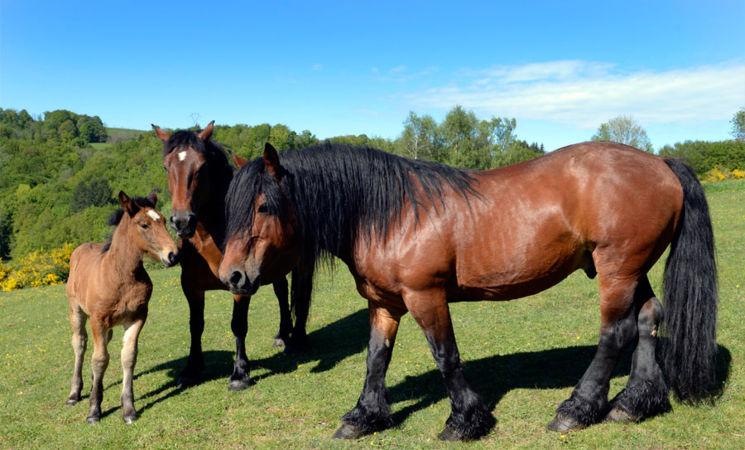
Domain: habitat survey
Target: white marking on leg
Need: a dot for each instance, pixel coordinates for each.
(153, 215)
(182, 155)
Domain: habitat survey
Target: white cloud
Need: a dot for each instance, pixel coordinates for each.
(582, 93)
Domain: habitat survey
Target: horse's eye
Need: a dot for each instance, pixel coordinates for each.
(144, 225)
(263, 208)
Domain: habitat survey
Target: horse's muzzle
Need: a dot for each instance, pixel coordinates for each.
(239, 283)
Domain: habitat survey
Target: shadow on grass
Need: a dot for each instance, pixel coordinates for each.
(494, 376)
(328, 346)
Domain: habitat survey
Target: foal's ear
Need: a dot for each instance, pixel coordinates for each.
(271, 161)
(162, 135)
(240, 162)
(207, 132)
(126, 203)
(153, 197)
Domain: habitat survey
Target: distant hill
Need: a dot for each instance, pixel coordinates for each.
(122, 134)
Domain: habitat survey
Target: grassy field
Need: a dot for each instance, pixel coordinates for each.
(524, 357)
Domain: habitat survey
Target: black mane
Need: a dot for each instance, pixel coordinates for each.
(339, 191)
(116, 217)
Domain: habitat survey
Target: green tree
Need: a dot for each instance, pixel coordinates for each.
(738, 125)
(624, 130)
(421, 139)
(96, 192)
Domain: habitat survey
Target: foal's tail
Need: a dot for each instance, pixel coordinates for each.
(690, 287)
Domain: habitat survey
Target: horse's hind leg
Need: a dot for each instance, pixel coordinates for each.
(129, 359)
(469, 417)
(372, 412)
(588, 403)
(99, 363)
(302, 288)
(285, 318)
(646, 393)
(79, 341)
(239, 324)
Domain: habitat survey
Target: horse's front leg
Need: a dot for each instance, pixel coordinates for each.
(129, 359)
(99, 363)
(239, 324)
(372, 412)
(285, 317)
(78, 341)
(191, 374)
(469, 418)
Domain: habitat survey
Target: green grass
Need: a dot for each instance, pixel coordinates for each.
(523, 357)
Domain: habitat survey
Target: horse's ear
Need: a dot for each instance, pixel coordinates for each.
(153, 197)
(162, 135)
(126, 203)
(271, 161)
(240, 162)
(207, 132)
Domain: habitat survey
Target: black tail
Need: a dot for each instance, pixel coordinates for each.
(690, 288)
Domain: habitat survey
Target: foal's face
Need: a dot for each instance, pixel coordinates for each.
(148, 232)
(188, 181)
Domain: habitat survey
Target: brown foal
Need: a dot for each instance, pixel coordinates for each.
(109, 285)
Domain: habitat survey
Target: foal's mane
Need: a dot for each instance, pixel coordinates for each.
(116, 217)
(340, 191)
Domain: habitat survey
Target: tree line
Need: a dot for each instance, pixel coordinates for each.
(58, 172)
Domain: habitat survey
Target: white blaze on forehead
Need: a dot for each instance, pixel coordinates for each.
(182, 155)
(153, 215)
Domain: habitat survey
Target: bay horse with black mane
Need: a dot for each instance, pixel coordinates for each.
(198, 178)
(109, 285)
(417, 235)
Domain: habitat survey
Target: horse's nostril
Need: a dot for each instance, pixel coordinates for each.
(171, 257)
(236, 278)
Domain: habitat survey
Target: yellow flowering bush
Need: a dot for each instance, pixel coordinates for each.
(39, 268)
(721, 174)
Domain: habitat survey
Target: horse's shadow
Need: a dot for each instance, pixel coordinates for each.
(328, 346)
(492, 377)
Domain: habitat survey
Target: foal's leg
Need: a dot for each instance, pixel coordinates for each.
(588, 403)
(285, 318)
(240, 378)
(302, 288)
(372, 412)
(194, 365)
(646, 393)
(99, 363)
(469, 418)
(79, 341)
(129, 359)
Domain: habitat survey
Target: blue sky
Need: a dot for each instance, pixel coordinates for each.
(559, 68)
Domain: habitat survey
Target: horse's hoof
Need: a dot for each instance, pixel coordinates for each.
(348, 431)
(93, 419)
(130, 419)
(620, 415)
(564, 424)
(72, 401)
(278, 342)
(450, 434)
(240, 383)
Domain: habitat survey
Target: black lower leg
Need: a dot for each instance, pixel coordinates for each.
(302, 287)
(194, 365)
(470, 418)
(285, 317)
(588, 403)
(646, 393)
(239, 324)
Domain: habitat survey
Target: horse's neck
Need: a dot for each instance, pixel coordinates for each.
(123, 259)
(204, 243)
